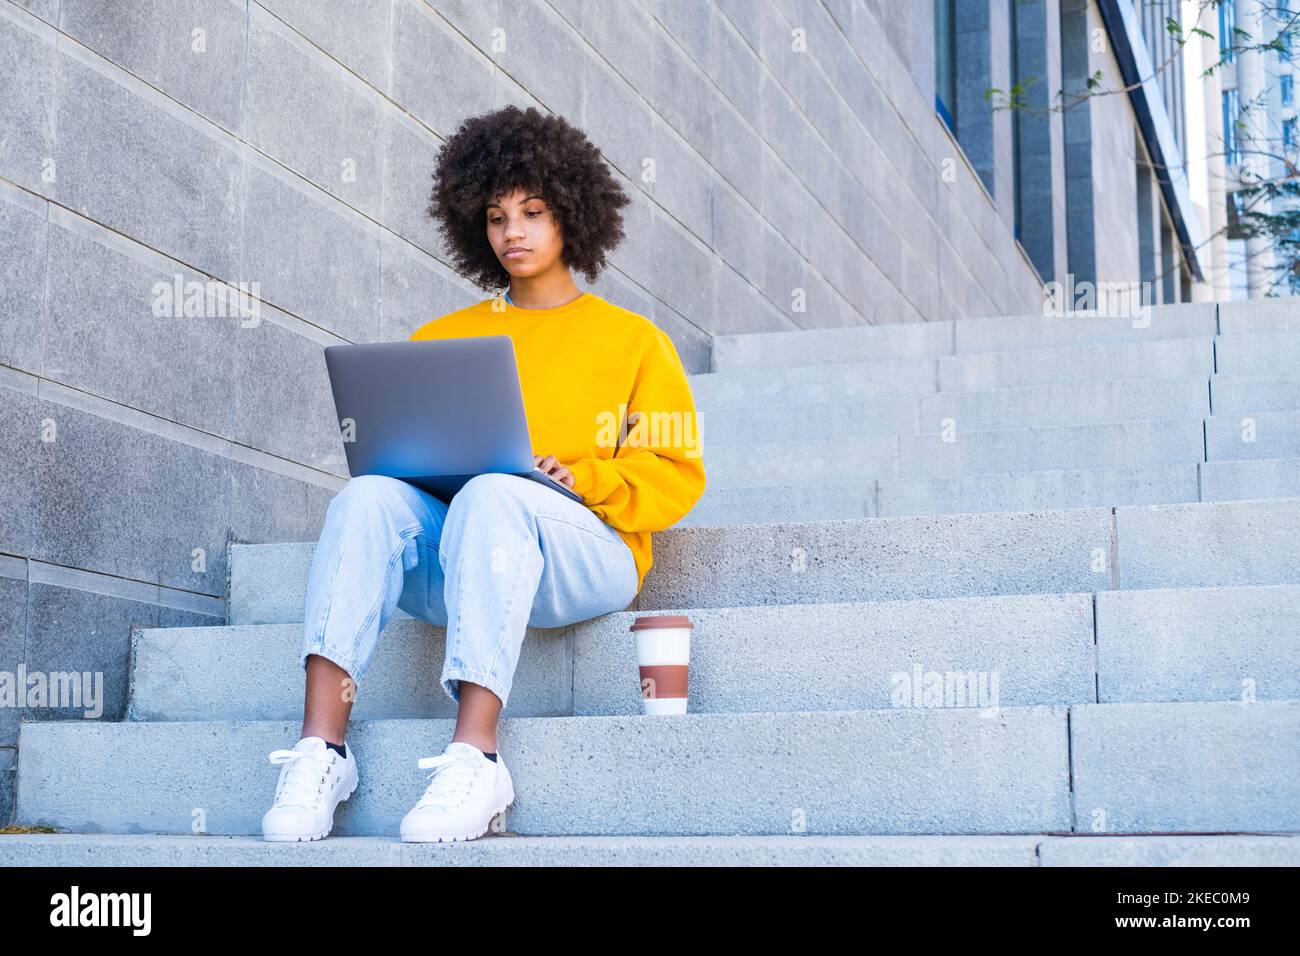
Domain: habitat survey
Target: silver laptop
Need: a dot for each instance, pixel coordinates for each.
(435, 412)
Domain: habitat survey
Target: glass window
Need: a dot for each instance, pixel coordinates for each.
(1283, 14)
(1016, 181)
(945, 62)
(1227, 21)
(1288, 90)
(1231, 152)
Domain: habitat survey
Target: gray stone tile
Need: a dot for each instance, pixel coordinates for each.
(8, 784)
(20, 436)
(282, 402)
(29, 86)
(683, 180)
(79, 642)
(266, 506)
(22, 285)
(1217, 766)
(160, 42)
(680, 93)
(13, 643)
(684, 278)
(436, 75)
(1231, 643)
(410, 158)
(354, 32)
(133, 165)
(414, 289)
(305, 111)
(117, 330)
(311, 255)
(1203, 545)
(121, 501)
(47, 10)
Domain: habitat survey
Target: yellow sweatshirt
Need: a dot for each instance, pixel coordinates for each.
(586, 370)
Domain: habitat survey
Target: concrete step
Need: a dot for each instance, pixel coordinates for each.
(1139, 546)
(1214, 643)
(832, 501)
(1107, 361)
(1257, 315)
(770, 658)
(253, 672)
(739, 426)
(748, 387)
(1250, 478)
(922, 556)
(1163, 359)
(1232, 436)
(933, 339)
(1148, 768)
(1027, 406)
(1152, 645)
(1037, 490)
(1008, 651)
(1231, 394)
(689, 775)
(1079, 403)
(968, 452)
(1018, 407)
(1040, 489)
(1113, 444)
(1259, 342)
(1000, 333)
(1134, 768)
(821, 346)
(506, 849)
(1274, 353)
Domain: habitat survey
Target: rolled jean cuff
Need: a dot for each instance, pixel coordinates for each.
(450, 674)
(342, 660)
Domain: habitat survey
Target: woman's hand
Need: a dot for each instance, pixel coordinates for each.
(550, 466)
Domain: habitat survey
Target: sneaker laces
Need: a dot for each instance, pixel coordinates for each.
(303, 781)
(452, 779)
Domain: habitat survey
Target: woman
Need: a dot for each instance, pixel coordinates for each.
(522, 199)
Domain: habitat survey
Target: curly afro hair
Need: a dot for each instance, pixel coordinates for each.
(510, 149)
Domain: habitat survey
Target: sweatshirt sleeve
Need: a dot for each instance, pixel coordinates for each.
(657, 474)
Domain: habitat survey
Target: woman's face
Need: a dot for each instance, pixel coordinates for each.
(520, 221)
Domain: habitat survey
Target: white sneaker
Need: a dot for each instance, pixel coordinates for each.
(468, 794)
(312, 783)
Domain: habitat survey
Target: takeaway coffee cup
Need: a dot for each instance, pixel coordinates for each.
(663, 650)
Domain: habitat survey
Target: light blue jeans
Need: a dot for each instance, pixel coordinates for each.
(507, 553)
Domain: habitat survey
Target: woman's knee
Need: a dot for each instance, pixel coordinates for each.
(493, 496)
(492, 486)
(367, 489)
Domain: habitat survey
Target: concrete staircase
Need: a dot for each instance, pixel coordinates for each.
(1013, 591)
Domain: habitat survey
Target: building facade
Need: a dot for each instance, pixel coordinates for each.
(1260, 141)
